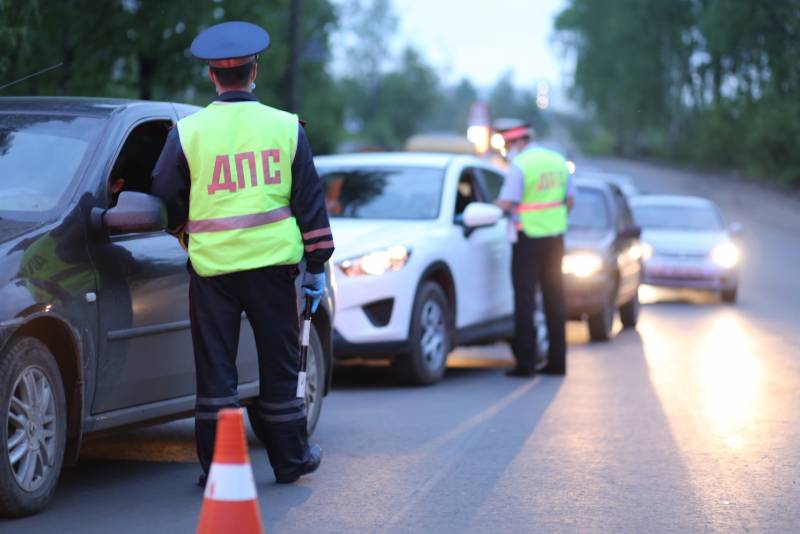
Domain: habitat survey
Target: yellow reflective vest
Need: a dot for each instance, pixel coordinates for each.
(543, 211)
(240, 162)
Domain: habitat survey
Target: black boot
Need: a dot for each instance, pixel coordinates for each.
(287, 475)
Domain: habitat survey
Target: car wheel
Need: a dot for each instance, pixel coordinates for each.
(601, 323)
(729, 295)
(629, 312)
(315, 385)
(431, 338)
(33, 428)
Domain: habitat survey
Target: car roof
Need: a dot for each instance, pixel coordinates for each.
(671, 200)
(592, 183)
(604, 175)
(82, 106)
(408, 159)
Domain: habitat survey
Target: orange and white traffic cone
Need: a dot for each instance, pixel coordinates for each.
(230, 504)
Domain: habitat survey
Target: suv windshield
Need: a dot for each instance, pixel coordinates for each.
(695, 218)
(590, 210)
(383, 193)
(39, 156)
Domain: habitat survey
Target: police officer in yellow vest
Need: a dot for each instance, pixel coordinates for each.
(242, 193)
(537, 194)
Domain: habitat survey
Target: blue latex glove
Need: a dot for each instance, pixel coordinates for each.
(314, 287)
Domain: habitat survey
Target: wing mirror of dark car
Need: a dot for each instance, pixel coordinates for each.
(736, 229)
(134, 212)
(631, 232)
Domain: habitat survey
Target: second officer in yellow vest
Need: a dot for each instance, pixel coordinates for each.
(537, 193)
(242, 193)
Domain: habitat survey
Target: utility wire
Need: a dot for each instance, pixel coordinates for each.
(31, 75)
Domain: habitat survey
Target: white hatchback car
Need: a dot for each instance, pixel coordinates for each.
(422, 258)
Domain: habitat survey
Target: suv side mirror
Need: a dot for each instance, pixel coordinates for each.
(135, 212)
(478, 214)
(631, 232)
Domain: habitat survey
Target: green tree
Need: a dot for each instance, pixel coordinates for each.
(628, 56)
(15, 26)
(140, 49)
(452, 113)
(716, 81)
(506, 100)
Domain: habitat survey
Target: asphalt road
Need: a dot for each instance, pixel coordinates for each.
(688, 424)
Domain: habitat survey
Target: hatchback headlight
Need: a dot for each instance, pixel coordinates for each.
(377, 262)
(725, 255)
(582, 264)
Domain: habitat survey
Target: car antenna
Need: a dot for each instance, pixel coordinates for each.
(51, 67)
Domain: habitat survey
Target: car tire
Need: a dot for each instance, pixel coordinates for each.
(629, 312)
(33, 429)
(315, 386)
(430, 337)
(601, 323)
(729, 295)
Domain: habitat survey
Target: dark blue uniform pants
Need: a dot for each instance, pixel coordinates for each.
(268, 297)
(536, 261)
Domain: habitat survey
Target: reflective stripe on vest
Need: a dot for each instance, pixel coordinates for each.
(542, 211)
(538, 207)
(240, 161)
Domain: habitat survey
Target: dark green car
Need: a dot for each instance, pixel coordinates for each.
(94, 315)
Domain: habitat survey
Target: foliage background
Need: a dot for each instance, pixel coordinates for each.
(139, 49)
(710, 82)
(715, 82)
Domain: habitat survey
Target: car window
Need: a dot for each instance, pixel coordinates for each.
(468, 190)
(590, 210)
(494, 183)
(383, 193)
(624, 217)
(39, 158)
(677, 217)
(133, 168)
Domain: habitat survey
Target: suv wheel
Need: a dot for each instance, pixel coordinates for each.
(629, 312)
(601, 323)
(729, 295)
(431, 338)
(315, 385)
(33, 428)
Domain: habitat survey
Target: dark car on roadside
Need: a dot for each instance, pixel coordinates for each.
(94, 317)
(602, 264)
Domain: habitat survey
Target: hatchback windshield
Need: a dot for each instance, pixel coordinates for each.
(590, 210)
(383, 193)
(39, 156)
(695, 218)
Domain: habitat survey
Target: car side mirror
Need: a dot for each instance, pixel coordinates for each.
(478, 214)
(631, 232)
(735, 229)
(135, 212)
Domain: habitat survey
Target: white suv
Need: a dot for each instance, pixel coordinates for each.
(422, 258)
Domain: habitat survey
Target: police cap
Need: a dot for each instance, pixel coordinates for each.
(230, 44)
(513, 129)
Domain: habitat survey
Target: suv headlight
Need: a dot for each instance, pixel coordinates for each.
(725, 255)
(377, 262)
(582, 264)
(647, 250)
